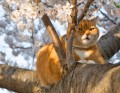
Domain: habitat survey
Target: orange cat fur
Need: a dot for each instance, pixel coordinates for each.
(48, 65)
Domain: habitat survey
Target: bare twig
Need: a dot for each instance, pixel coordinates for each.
(85, 10)
(33, 42)
(80, 3)
(105, 15)
(108, 17)
(20, 47)
(50, 6)
(74, 12)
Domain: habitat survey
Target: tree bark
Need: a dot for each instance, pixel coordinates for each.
(72, 23)
(18, 79)
(83, 78)
(86, 78)
(109, 43)
(55, 38)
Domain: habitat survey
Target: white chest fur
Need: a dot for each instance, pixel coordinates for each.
(83, 53)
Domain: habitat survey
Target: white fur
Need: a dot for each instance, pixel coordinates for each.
(84, 37)
(83, 54)
(85, 40)
(87, 61)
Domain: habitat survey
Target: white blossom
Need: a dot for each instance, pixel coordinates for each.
(25, 9)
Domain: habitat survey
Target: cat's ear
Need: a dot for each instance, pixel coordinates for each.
(94, 20)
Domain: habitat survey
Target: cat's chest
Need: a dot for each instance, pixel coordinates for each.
(83, 54)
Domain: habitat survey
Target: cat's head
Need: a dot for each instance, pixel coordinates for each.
(87, 34)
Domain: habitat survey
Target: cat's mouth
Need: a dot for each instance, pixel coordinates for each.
(86, 39)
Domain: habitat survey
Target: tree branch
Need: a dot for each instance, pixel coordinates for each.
(109, 43)
(54, 37)
(86, 78)
(105, 15)
(83, 78)
(85, 10)
(108, 17)
(70, 34)
(74, 12)
(80, 4)
(18, 79)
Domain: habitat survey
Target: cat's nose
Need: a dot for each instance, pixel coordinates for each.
(87, 32)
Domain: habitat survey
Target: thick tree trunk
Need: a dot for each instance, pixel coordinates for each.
(109, 43)
(18, 79)
(86, 78)
(82, 78)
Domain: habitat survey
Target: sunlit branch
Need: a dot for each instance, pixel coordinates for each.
(54, 37)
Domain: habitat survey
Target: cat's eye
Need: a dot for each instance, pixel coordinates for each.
(92, 29)
(79, 28)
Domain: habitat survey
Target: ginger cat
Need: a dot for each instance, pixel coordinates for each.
(48, 65)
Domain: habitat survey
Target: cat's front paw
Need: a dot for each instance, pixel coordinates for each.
(91, 62)
(87, 61)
